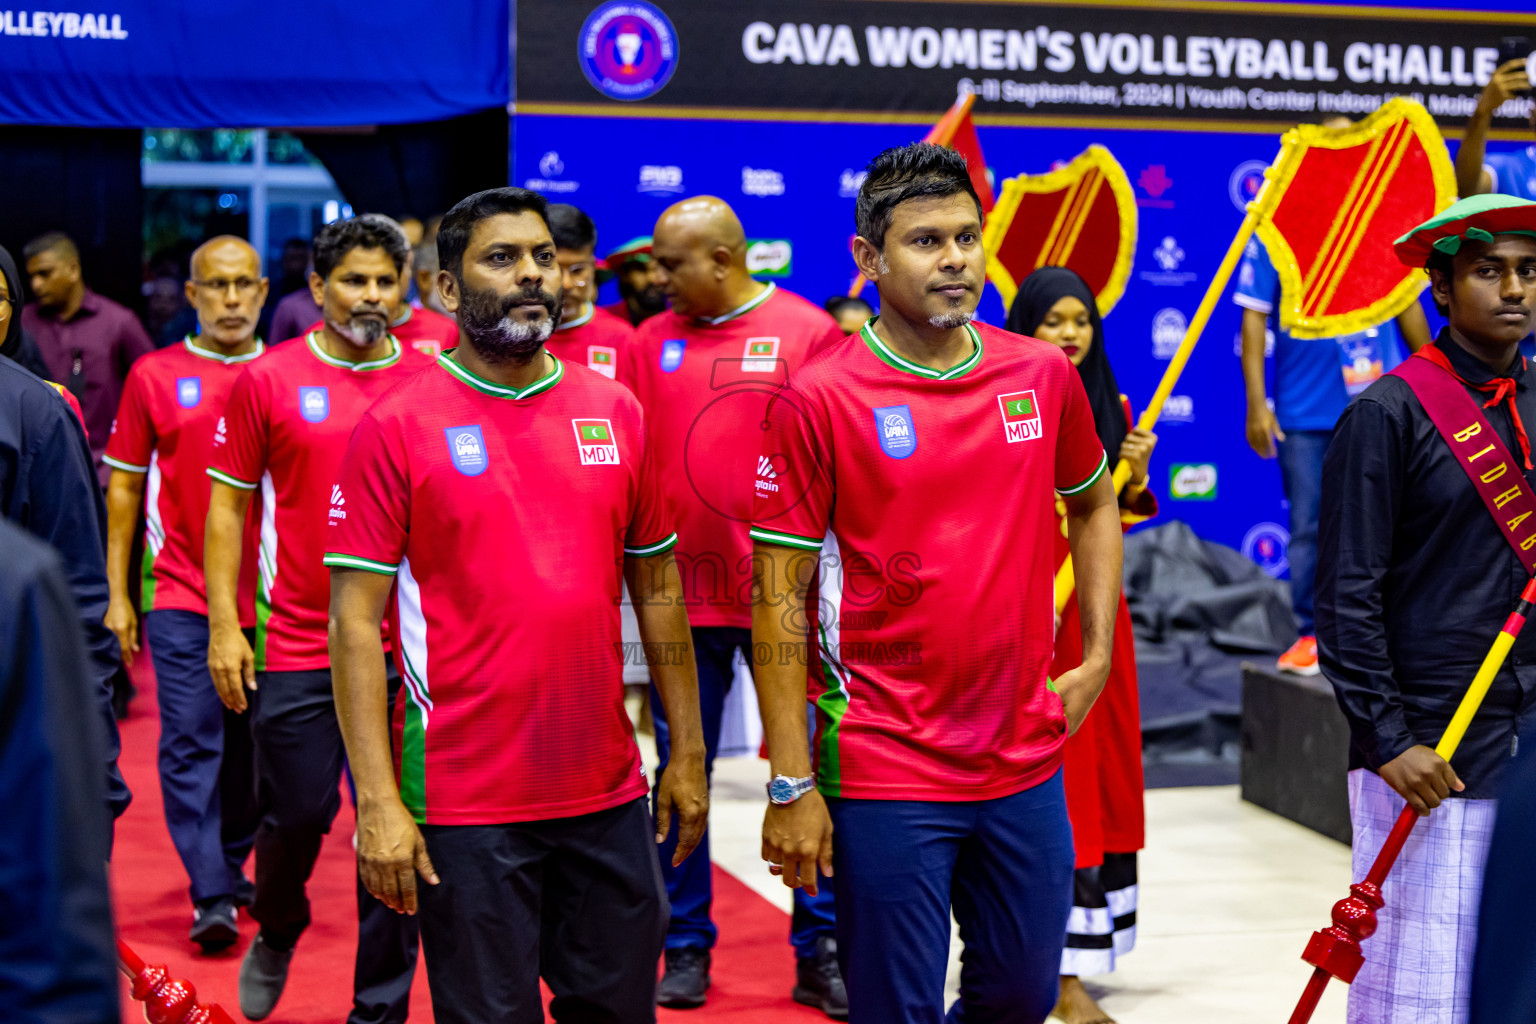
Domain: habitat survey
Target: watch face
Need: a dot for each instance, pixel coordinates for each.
(780, 791)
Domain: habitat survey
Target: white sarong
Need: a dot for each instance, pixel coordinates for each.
(1418, 965)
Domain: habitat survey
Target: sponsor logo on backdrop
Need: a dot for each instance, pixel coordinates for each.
(1178, 409)
(769, 257)
(1021, 416)
(550, 165)
(1154, 181)
(1168, 255)
(761, 182)
(466, 447)
(849, 183)
(550, 169)
(1266, 545)
(627, 50)
(1243, 187)
(1192, 481)
(660, 179)
(595, 442)
(896, 431)
(1168, 328)
(189, 392)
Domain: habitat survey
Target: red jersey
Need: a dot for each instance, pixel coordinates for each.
(285, 430)
(705, 386)
(172, 401)
(929, 496)
(425, 330)
(505, 516)
(620, 311)
(593, 340)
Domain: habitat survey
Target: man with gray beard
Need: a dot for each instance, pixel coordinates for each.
(284, 431)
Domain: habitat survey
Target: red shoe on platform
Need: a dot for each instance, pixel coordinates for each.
(1301, 659)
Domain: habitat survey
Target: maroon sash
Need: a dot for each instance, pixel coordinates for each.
(1494, 473)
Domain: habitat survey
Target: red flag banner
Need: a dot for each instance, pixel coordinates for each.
(1341, 197)
(957, 131)
(1081, 216)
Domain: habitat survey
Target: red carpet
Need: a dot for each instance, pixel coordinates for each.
(753, 965)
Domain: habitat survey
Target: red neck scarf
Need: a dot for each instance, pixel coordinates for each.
(1499, 389)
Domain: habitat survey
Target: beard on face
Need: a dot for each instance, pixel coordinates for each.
(651, 298)
(363, 332)
(486, 316)
(949, 321)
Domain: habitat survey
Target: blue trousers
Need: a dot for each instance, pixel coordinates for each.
(207, 772)
(1005, 866)
(1301, 474)
(690, 887)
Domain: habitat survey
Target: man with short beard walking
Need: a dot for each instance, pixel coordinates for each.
(494, 494)
(284, 431)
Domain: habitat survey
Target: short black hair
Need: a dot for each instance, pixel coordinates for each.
(459, 223)
(918, 171)
(571, 228)
(838, 303)
(48, 242)
(367, 231)
(1442, 262)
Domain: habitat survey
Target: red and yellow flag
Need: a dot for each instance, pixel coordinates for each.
(1340, 198)
(1081, 216)
(956, 131)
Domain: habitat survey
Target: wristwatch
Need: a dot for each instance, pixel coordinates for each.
(785, 789)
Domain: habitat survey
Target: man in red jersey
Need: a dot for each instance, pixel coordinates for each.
(921, 460)
(284, 431)
(588, 335)
(159, 451)
(704, 371)
(640, 293)
(495, 494)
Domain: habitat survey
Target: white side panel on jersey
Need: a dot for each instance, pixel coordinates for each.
(154, 525)
(266, 556)
(413, 639)
(831, 610)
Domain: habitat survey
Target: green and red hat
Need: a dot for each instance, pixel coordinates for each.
(1476, 218)
(636, 250)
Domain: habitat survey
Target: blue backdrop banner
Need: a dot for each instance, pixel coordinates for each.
(252, 63)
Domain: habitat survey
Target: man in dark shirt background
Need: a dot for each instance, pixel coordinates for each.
(87, 340)
(1414, 579)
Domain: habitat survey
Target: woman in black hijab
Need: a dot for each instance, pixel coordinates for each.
(15, 343)
(1101, 766)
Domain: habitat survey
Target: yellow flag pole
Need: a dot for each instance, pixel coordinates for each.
(1261, 207)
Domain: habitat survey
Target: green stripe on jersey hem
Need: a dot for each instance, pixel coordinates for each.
(1093, 478)
(788, 540)
(887, 355)
(832, 703)
(663, 545)
(233, 481)
(147, 591)
(489, 387)
(341, 364)
(126, 467)
(337, 561)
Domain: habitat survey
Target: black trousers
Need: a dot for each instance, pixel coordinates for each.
(578, 901)
(299, 760)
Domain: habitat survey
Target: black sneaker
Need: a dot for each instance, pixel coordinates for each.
(213, 924)
(686, 979)
(263, 973)
(819, 982)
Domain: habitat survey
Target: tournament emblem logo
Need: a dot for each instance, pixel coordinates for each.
(189, 391)
(314, 404)
(603, 360)
(672, 354)
(761, 355)
(627, 50)
(1246, 182)
(1021, 416)
(1266, 544)
(466, 447)
(896, 431)
(595, 443)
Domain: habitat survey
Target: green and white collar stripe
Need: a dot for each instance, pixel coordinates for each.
(233, 481)
(372, 364)
(788, 540)
(585, 318)
(745, 307)
(1092, 478)
(337, 561)
(479, 383)
(203, 353)
(887, 355)
(665, 544)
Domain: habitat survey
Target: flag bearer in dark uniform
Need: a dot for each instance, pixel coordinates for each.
(1427, 536)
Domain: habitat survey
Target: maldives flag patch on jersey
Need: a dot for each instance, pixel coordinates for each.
(1021, 416)
(602, 359)
(760, 356)
(595, 443)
